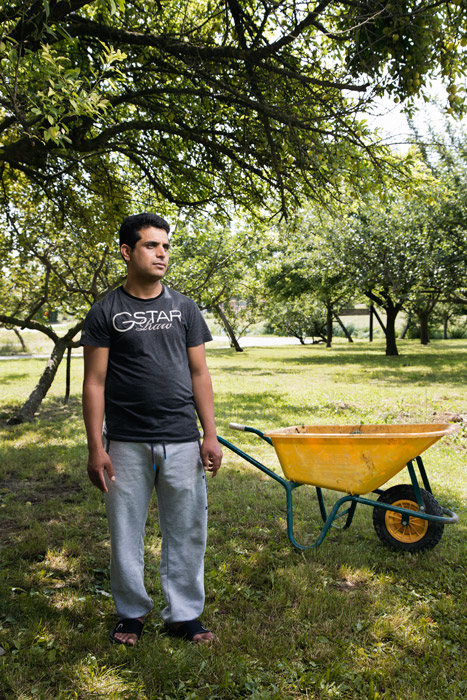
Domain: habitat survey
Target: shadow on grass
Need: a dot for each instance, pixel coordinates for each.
(273, 609)
(352, 613)
(406, 369)
(13, 377)
(53, 415)
(55, 603)
(253, 403)
(418, 365)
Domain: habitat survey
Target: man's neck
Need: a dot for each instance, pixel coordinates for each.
(141, 290)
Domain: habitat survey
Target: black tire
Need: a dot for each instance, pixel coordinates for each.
(419, 534)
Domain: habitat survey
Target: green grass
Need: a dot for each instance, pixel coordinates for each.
(35, 342)
(350, 620)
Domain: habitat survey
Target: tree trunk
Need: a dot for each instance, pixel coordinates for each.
(344, 329)
(424, 335)
(228, 328)
(378, 318)
(445, 328)
(21, 339)
(31, 405)
(406, 327)
(328, 326)
(391, 314)
(370, 330)
(391, 346)
(66, 398)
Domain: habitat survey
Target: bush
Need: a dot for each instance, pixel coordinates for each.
(339, 333)
(458, 332)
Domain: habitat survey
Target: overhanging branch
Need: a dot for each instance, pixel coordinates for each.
(32, 325)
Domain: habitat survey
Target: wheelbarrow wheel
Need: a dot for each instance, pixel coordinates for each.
(417, 534)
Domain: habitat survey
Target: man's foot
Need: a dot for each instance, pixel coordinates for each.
(193, 631)
(127, 631)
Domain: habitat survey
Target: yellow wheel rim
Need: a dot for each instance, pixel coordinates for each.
(413, 532)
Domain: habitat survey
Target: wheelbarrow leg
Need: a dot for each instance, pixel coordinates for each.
(352, 508)
(322, 507)
(416, 487)
(290, 486)
(324, 515)
(423, 474)
(334, 514)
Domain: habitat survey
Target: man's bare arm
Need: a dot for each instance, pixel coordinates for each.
(211, 452)
(95, 371)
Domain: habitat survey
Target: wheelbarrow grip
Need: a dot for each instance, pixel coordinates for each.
(236, 426)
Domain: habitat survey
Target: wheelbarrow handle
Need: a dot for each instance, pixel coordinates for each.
(247, 429)
(237, 426)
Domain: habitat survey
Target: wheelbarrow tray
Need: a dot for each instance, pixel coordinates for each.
(354, 459)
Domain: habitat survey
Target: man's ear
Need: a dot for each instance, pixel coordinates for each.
(125, 250)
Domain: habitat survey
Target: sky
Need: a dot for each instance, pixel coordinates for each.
(393, 123)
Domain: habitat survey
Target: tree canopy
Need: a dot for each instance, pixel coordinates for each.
(215, 99)
(56, 255)
(303, 271)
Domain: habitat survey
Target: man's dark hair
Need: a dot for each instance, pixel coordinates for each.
(132, 225)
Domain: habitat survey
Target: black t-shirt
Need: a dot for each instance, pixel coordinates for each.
(148, 389)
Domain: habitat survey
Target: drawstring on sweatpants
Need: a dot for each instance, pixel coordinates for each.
(154, 456)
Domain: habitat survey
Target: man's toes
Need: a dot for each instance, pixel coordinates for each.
(205, 638)
(129, 639)
(127, 631)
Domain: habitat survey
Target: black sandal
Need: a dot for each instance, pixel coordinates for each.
(186, 630)
(127, 626)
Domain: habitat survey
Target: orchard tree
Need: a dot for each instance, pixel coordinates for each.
(302, 268)
(422, 304)
(61, 255)
(392, 249)
(454, 315)
(216, 100)
(445, 271)
(446, 155)
(444, 285)
(301, 317)
(215, 263)
(56, 255)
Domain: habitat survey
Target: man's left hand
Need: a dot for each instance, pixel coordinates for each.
(211, 454)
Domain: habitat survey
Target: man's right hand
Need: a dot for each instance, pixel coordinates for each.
(98, 463)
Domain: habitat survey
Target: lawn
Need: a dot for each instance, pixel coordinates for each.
(349, 620)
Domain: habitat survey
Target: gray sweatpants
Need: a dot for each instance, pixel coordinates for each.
(175, 470)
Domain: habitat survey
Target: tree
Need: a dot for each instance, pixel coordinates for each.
(214, 262)
(395, 252)
(61, 255)
(448, 313)
(446, 156)
(215, 100)
(423, 306)
(301, 268)
(56, 256)
(444, 270)
(301, 318)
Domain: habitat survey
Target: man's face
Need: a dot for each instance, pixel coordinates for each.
(149, 258)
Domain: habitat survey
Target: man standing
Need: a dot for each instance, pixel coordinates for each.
(145, 369)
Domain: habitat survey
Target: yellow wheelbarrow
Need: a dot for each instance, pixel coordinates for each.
(356, 460)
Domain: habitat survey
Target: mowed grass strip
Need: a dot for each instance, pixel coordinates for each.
(350, 619)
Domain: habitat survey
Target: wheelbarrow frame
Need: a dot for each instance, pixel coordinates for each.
(330, 518)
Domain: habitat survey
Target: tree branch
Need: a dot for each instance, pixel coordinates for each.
(33, 325)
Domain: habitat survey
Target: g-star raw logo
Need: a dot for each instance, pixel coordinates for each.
(145, 320)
